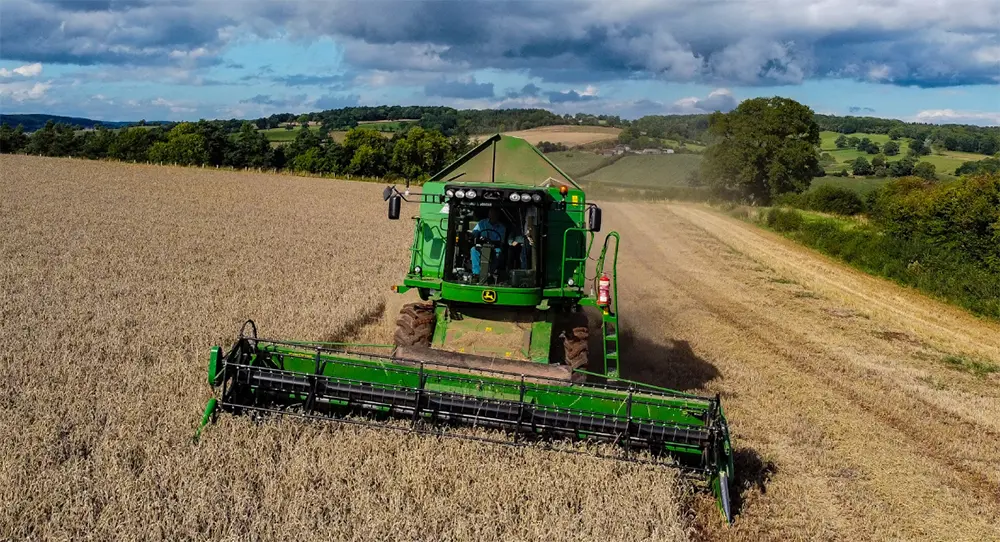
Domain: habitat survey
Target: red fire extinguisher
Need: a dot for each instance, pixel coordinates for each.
(604, 290)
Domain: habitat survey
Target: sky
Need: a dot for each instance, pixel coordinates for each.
(917, 60)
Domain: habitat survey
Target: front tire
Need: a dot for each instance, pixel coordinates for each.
(415, 325)
(576, 346)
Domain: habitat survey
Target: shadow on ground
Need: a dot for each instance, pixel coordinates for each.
(668, 363)
(753, 474)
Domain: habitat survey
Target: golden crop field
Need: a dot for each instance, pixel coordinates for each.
(114, 283)
(568, 135)
(849, 418)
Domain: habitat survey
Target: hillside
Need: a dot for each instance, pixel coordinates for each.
(568, 135)
(649, 171)
(32, 122)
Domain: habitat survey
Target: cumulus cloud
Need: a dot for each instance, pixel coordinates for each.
(467, 89)
(24, 91)
(720, 99)
(28, 70)
(566, 96)
(276, 101)
(951, 116)
(740, 42)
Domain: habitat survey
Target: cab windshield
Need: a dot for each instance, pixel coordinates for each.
(495, 244)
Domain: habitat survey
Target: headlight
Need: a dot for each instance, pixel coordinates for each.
(525, 197)
(536, 198)
(460, 193)
(569, 282)
(417, 269)
(470, 194)
(450, 193)
(514, 196)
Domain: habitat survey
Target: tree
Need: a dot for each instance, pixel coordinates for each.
(420, 154)
(861, 167)
(98, 145)
(891, 148)
(12, 139)
(368, 151)
(132, 144)
(925, 170)
(878, 161)
(763, 148)
(184, 146)
(305, 139)
(841, 141)
(918, 147)
(250, 148)
(902, 168)
(895, 133)
(867, 145)
(853, 141)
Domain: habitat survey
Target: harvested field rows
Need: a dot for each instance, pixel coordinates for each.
(849, 422)
(116, 279)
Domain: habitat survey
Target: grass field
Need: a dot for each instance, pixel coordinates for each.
(568, 135)
(945, 161)
(575, 162)
(281, 135)
(278, 136)
(387, 125)
(117, 278)
(649, 170)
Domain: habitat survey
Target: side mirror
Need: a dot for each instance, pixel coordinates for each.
(395, 201)
(386, 193)
(594, 218)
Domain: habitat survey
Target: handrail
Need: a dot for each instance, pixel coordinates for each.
(586, 256)
(614, 267)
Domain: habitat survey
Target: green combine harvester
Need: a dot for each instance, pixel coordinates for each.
(501, 337)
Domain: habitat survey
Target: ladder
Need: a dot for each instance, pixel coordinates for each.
(609, 312)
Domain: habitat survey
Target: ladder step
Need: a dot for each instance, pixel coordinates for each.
(612, 337)
(612, 355)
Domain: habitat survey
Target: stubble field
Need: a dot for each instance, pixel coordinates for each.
(850, 422)
(567, 134)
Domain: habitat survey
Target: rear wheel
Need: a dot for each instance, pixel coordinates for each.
(415, 325)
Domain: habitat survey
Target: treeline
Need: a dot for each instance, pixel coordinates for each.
(943, 238)
(647, 132)
(447, 120)
(953, 137)
(413, 153)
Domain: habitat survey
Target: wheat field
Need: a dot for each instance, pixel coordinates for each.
(115, 280)
(847, 419)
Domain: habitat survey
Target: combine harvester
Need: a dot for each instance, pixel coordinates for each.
(500, 338)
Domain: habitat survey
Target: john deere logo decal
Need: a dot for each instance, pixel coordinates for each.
(489, 296)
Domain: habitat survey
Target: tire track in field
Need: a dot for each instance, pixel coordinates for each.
(858, 456)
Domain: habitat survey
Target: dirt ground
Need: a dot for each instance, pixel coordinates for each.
(848, 420)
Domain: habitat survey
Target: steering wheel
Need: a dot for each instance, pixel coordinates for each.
(479, 239)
